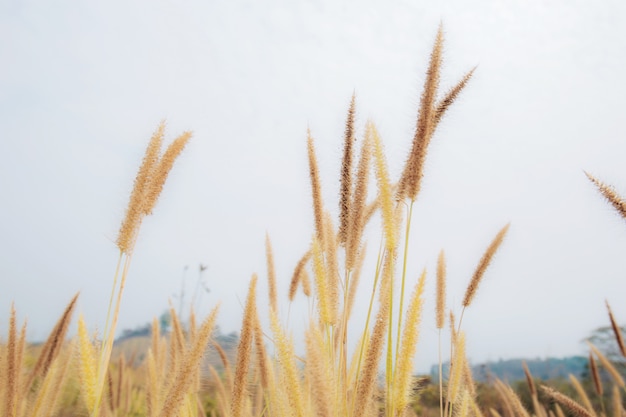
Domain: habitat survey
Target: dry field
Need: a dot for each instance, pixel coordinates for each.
(269, 377)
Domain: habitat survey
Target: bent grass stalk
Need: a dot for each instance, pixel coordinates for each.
(148, 185)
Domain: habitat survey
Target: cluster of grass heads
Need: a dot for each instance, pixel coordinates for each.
(333, 377)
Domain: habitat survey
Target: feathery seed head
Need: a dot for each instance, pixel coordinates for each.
(408, 346)
(321, 283)
(384, 187)
(244, 350)
(616, 331)
(470, 293)
(610, 194)
(441, 289)
(88, 366)
(442, 106)
(412, 173)
(296, 278)
(358, 205)
(136, 204)
(576, 409)
(271, 273)
(597, 382)
(346, 175)
(316, 188)
(162, 170)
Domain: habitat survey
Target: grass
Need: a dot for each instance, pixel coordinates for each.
(331, 378)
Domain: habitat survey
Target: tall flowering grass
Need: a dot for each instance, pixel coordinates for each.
(333, 376)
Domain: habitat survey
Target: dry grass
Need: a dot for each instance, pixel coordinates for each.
(369, 376)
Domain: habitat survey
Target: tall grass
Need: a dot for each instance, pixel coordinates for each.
(334, 376)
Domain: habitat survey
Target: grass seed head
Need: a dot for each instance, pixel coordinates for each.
(470, 293)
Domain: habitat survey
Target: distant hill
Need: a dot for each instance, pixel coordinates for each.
(511, 369)
(135, 347)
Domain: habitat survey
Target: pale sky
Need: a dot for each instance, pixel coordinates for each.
(84, 84)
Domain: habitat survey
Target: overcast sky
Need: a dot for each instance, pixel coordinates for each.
(84, 84)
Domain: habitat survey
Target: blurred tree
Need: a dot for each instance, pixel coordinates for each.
(604, 339)
(165, 321)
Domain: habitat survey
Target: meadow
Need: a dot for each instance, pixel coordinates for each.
(334, 376)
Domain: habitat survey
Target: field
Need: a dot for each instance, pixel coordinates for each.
(333, 376)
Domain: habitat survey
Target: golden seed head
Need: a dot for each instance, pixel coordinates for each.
(411, 178)
(162, 170)
(316, 188)
(441, 289)
(384, 187)
(346, 175)
(610, 194)
(271, 273)
(470, 293)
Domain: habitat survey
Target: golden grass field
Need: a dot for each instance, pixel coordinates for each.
(83, 376)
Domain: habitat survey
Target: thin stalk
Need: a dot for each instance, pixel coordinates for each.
(389, 364)
(367, 320)
(105, 355)
(343, 353)
(404, 262)
(440, 378)
(115, 278)
(458, 329)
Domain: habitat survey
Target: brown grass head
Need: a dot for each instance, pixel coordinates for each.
(244, 350)
(616, 402)
(321, 374)
(12, 369)
(88, 366)
(359, 203)
(367, 380)
(615, 375)
(441, 290)
(581, 393)
(332, 266)
(595, 375)
(384, 187)
(572, 406)
(616, 331)
(259, 348)
(412, 173)
(442, 106)
(316, 188)
(513, 399)
(296, 277)
(610, 194)
(187, 371)
(162, 170)
(271, 273)
(52, 345)
(455, 382)
(529, 379)
(470, 293)
(136, 204)
(346, 174)
(408, 345)
(285, 355)
(321, 283)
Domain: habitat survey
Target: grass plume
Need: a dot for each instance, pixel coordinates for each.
(470, 292)
(316, 188)
(271, 274)
(412, 174)
(610, 194)
(244, 350)
(346, 174)
(616, 331)
(572, 406)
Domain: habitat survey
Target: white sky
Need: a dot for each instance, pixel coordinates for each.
(83, 86)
